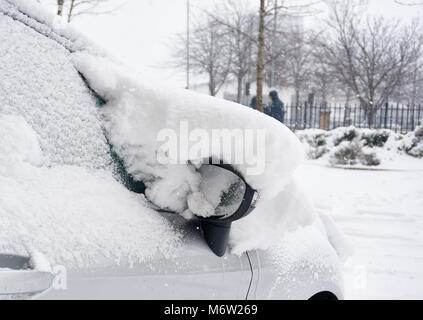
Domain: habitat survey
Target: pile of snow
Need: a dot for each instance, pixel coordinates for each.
(412, 143)
(353, 146)
(137, 111)
(18, 142)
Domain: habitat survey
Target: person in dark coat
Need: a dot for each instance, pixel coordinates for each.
(276, 107)
(253, 103)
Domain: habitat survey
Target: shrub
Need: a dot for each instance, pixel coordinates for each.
(375, 138)
(316, 153)
(344, 134)
(413, 144)
(417, 151)
(352, 153)
(315, 139)
(418, 132)
(368, 157)
(346, 153)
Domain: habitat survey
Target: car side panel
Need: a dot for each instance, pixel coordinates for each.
(298, 268)
(194, 272)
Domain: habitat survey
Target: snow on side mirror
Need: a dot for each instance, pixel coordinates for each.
(221, 193)
(231, 199)
(223, 197)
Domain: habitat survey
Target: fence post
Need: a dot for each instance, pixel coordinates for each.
(386, 116)
(412, 118)
(305, 115)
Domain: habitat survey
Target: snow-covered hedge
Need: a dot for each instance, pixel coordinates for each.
(352, 153)
(412, 143)
(352, 146)
(316, 140)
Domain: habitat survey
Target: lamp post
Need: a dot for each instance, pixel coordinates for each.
(272, 82)
(188, 34)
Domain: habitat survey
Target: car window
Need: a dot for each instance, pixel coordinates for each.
(40, 83)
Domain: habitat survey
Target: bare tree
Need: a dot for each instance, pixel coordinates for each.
(324, 82)
(293, 57)
(84, 7)
(296, 53)
(409, 90)
(260, 57)
(370, 55)
(298, 68)
(240, 25)
(268, 11)
(210, 53)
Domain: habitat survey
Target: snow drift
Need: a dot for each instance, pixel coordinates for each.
(357, 147)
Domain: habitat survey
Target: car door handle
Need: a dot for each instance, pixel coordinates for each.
(18, 279)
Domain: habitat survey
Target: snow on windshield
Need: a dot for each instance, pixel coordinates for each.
(40, 83)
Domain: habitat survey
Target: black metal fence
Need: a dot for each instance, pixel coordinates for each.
(400, 118)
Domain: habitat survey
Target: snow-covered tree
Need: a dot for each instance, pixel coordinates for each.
(370, 54)
(240, 25)
(84, 7)
(210, 53)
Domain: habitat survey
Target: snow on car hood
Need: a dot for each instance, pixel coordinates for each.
(137, 112)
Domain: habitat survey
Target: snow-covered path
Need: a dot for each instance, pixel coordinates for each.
(382, 214)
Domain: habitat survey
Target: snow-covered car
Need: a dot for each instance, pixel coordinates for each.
(79, 176)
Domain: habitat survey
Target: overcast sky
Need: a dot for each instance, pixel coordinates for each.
(140, 32)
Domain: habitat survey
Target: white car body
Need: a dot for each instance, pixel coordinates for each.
(194, 272)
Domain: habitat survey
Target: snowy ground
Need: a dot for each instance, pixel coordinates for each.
(382, 213)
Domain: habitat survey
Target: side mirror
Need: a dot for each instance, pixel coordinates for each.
(228, 198)
(232, 199)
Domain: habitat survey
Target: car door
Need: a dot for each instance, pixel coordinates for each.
(20, 280)
(193, 272)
